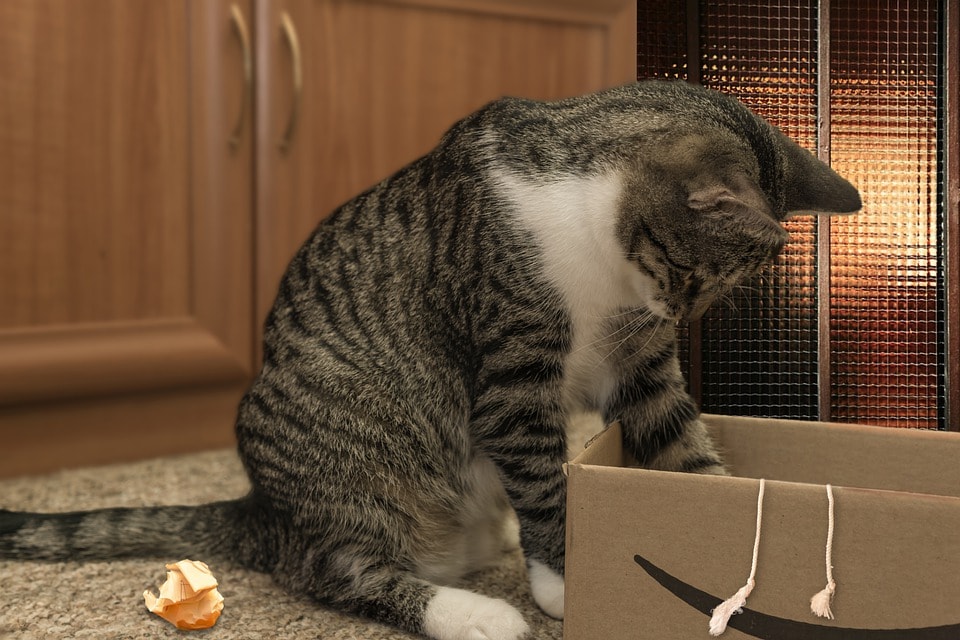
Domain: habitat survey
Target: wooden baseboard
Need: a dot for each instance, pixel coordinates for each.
(41, 438)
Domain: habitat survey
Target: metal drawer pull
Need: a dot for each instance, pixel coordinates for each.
(240, 27)
(286, 25)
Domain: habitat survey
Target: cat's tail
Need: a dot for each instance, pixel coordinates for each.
(215, 529)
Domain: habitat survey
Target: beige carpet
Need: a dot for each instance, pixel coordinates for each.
(104, 599)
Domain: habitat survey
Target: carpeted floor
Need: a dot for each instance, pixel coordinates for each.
(104, 599)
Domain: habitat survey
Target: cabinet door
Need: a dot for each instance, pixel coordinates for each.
(125, 229)
(382, 81)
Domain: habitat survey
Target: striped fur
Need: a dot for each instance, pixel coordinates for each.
(435, 341)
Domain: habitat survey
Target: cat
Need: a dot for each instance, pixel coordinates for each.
(436, 339)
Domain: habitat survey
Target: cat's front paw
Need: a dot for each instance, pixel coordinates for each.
(546, 585)
(458, 614)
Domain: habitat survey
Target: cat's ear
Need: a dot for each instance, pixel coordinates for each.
(813, 187)
(735, 193)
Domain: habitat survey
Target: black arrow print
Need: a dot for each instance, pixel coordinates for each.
(766, 627)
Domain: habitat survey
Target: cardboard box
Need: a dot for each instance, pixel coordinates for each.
(650, 553)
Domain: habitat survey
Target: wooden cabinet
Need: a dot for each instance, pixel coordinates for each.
(140, 250)
(125, 230)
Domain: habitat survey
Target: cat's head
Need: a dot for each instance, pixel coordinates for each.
(703, 203)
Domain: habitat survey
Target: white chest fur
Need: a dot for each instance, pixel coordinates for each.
(574, 221)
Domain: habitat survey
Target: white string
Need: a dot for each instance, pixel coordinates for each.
(820, 602)
(734, 604)
(830, 535)
(756, 539)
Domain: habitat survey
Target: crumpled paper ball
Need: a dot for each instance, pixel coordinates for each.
(189, 598)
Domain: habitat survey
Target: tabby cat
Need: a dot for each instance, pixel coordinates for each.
(436, 339)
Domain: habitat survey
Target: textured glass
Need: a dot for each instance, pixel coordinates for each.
(759, 347)
(884, 357)
(885, 280)
(662, 40)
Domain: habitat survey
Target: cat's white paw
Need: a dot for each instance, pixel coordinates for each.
(458, 614)
(546, 585)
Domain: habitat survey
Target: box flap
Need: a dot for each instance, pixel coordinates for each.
(604, 449)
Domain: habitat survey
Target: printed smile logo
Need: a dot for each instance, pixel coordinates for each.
(766, 627)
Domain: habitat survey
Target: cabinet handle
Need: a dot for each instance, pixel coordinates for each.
(240, 27)
(286, 25)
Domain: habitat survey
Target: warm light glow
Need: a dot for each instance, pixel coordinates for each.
(884, 277)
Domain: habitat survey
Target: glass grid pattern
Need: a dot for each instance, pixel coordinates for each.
(887, 302)
(662, 53)
(886, 277)
(662, 40)
(759, 350)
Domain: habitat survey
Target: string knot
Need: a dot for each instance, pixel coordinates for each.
(820, 602)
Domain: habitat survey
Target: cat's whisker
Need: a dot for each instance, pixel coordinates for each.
(636, 328)
(616, 347)
(606, 339)
(643, 313)
(602, 340)
(641, 351)
(729, 302)
(642, 319)
(750, 293)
